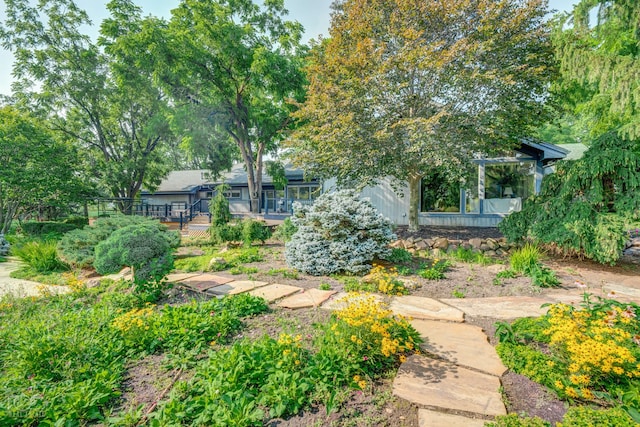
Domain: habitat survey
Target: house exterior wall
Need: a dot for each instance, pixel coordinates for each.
(161, 199)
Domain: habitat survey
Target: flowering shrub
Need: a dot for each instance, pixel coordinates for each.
(593, 353)
(435, 271)
(368, 335)
(339, 233)
(386, 280)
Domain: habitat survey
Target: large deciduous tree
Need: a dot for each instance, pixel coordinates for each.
(405, 86)
(598, 48)
(100, 95)
(239, 61)
(36, 170)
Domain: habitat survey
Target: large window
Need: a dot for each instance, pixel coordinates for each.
(303, 192)
(509, 180)
(440, 194)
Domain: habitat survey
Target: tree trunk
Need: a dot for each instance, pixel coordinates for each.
(414, 201)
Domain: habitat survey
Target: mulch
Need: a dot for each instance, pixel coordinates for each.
(451, 233)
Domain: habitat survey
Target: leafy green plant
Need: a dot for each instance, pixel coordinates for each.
(435, 271)
(507, 274)
(583, 207)
(241, 269)
(41, 256)
(524, 259)
(514, 420)
(324, 286)
(219, 207)
(287, 273)
(285, 231)
(456, 293)
(253, 231)
(399, 256)
(579, 416)
(469, 255)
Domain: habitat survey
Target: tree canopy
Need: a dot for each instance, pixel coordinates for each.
(405, 86)
(600, 64)
(37, 170)
(100, 95)
(240, 64)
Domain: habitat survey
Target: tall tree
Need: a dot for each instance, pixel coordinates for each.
(100, 95)
(240, 61)
(600, 64)
(36, 171)
(405, 86)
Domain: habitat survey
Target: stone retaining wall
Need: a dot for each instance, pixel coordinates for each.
(633, 248)
(490, 247)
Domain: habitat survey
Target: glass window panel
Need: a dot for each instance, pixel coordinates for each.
(439, 195)
(304, 193)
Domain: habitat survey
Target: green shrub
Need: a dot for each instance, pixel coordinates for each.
(435, 271)
(225, 233)
(285, 231)
(399, 256)
(506, 274)
(583, 207)
(44, 228)
(40, 256)
(219, 207)
(77, 247)
(253, 231)
(140, 247)
(514, 420)
(582, 416)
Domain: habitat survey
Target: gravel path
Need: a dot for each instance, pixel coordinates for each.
(21, 287)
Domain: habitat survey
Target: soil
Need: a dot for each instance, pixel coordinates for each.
(377, 406)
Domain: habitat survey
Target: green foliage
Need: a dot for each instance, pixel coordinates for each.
(434, 271)
(77, 247)
(285, 231)
(514, 420)
(219, 207)
(63, 358)
(41, 256)
(43, 228)
(141, 247)
(470, 256)
(399, 256)
(353, 130)
(580, 416)
(584, 207)
(339, 233)
(253, 230)
(524, 259)
(506, 274)
(233, 258)
(529, 362)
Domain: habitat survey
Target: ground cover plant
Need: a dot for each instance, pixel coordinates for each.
(587, 354)
(62, 358)
(216, 259)
(241, 384)
(527, 261)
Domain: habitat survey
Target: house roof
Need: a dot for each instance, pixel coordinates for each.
(576, 150)
(188, 181)
(547, 150)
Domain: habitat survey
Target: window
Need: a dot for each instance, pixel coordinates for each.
(509, 180)
(303, 192)
(233, 194)
(178, 206)
(205, 176)
(439, 193)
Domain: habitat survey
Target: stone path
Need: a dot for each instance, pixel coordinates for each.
(457, 382)
(20, 287)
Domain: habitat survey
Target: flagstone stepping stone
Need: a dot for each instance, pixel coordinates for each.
(624, 292)
(441, 384)
(205, 281)
(306, 298)
(428, 418)
(462, 344)
(425, 308)
(274, 292)
(337, 302)
(237, 287)
(500, 307)
(177, 277)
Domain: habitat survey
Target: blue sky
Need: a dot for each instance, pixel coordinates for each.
(312, 14)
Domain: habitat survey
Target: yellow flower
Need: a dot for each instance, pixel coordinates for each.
(362, 384)
(403, 358)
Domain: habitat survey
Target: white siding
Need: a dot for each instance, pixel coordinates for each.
(165, 199)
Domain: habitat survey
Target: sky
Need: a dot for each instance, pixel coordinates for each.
(314, 15)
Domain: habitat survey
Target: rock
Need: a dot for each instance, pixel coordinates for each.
(441, 243)
(425, 308)
(492, 244)
(4, 246)
(215, 261)
(635, 242)
(429, 418)
(484, 247)
(496, 268)
(460, 343)
(305, 299)
(92, 283)
(422, 245)
(274, 292)
(409, 284)
(632, 252)
(476, 243)
(236, 287)
(429, 242)
(452, 248)
(490, 253)
(396, 244)
(500, 307)
(442, 384)
(500, 252)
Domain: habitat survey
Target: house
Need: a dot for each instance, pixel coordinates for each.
(188, 192)
(499, 188)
